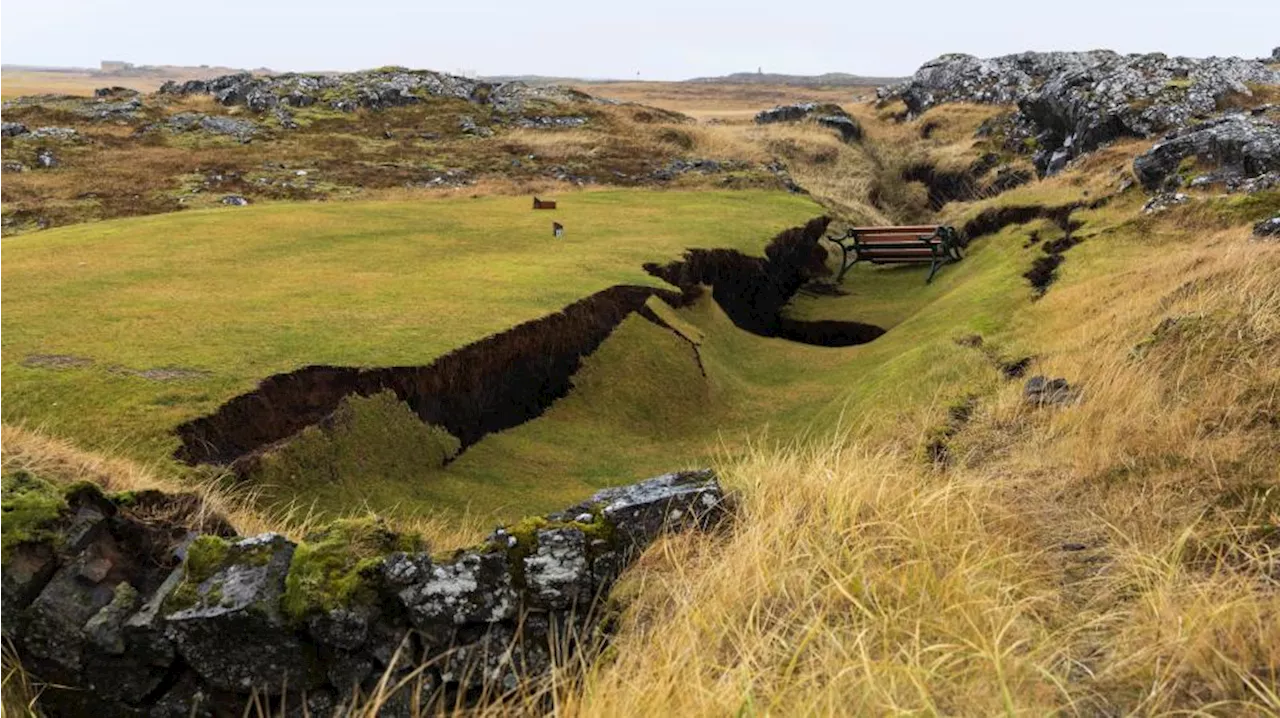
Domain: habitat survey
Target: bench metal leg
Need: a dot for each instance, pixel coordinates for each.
(845, 264)
(933, 269)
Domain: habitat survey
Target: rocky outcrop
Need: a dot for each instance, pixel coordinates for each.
(243, 130)
(145, 604)
(1267, 228)
(1075, 101)
(1239, 146)
(827, 115)
(373, 89)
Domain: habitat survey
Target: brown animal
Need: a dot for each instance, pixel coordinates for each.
(543, 204)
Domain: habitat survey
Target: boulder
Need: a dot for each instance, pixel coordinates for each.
(827, 115)
(12, 129)
(1163, 201)
(1268, 228)
(1043, 391)
(786, 113)
(849, 129)
(226, 622)
(235, 200)
(475, 587)
(557, 573)
(640, 512)
(243, 130)
(1240, 146)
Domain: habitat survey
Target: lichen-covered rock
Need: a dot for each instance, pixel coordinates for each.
(474, 588)
(1268, 228)
(827, 115)
(243, 130)
(227, 623)
(1239, 145)
(54, 133)
(557, 573)
(640, 512)
(1079, 100)
(1163, 201)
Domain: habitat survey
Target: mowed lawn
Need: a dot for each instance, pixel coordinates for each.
(216, 300)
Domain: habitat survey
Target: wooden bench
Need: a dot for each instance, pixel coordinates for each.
(934, 245)
(543, 203)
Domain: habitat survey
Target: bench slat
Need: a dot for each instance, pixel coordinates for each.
(907, 244)
(902, 228)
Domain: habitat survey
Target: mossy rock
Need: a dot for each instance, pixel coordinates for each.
(335, 567)
(30, 506)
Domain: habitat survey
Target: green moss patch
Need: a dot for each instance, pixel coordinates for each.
(205, 556)
(29, 505)
(332, 568)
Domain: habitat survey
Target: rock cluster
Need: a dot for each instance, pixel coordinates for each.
(1242, 147)
(827, 115)
(243, 130)
(128, 614)
(1267, 227)
(1075, 101)
(373, 89)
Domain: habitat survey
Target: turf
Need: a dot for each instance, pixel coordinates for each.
(220, 299)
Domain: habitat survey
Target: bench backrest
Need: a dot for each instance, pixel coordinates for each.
(908, 243)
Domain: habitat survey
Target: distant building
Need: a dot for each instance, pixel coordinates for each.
(116, 66)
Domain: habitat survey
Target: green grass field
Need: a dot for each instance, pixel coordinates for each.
(224, 298)
(240, 294)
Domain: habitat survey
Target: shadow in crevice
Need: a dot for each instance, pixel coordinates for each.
(828, 333)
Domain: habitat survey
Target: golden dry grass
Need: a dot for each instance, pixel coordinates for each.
(61, 463)
(861, 582)
(706, 101)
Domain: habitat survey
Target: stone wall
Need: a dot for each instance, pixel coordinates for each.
(124, 610)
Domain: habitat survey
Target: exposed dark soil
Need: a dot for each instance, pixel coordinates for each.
(938, 450)
(964, 184)
(995, 219)
(828, 333)
(496, 383)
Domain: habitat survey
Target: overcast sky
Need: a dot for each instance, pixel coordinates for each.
(656, 39)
